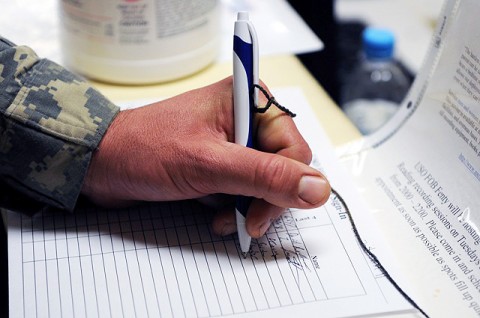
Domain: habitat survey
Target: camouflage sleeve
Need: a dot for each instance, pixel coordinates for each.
(51, 122)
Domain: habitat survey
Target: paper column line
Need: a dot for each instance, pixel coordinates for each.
(233, 272)
(150, 219)
(268, 271)
(237, 245)
(272, 248)
(285, 252)
(23, 264)
(173, 263)
(163, 271)
(260, 282)
(128, 268)
(221, 271)
(87, 225)
(295, 248)
(55, 218)
(240, 257)
(138, 264)
(199, 275)
(348, 256)
(196, 265)
(114, 254)
(309, 257)
(80, 264)
(46, 265)
(194, 259)
(183, 258)
(34, 272)
(69, 266)
(209, 240)
(103, 262)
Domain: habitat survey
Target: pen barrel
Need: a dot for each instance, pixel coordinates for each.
(243, 91)
(243, 59)
(245, 75)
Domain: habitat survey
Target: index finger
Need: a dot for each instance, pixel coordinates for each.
(277, 133)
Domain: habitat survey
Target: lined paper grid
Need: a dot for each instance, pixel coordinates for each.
(163, 260)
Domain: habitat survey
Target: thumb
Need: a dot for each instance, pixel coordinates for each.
(278, 180)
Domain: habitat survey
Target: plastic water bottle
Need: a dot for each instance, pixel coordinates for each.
(376, 87)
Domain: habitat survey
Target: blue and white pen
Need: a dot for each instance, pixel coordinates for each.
(245, 97)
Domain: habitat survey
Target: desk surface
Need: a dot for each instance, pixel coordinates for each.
(275, 71)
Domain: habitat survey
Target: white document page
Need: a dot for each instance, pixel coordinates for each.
(163, 260)
(422, 178)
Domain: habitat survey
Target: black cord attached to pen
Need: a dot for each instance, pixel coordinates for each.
(271, 100)
(374, 258)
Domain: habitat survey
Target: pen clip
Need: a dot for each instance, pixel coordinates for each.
(255, 62)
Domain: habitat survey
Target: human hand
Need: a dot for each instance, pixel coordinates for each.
(183, 148)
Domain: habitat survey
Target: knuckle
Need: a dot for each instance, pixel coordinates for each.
(272, 176)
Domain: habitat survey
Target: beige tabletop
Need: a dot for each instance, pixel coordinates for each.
(275, 71)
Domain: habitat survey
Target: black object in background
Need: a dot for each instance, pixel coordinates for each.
(343, 45)
(319, 15)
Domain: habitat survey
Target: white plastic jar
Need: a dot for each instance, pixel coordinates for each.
(139, 41)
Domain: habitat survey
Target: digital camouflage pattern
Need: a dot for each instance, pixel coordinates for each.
(51, 122)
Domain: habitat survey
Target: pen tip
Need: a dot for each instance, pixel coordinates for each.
(244, 254)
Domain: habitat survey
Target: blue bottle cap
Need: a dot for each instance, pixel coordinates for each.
(378, 43)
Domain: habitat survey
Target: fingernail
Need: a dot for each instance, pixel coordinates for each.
(313, 189)
(228, 229)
